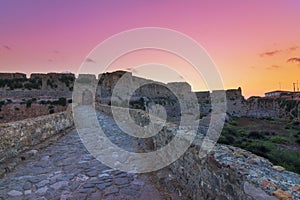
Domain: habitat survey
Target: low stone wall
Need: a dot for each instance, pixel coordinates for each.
(229, 173)
(226, 172)
(16, 137)
(19, 111)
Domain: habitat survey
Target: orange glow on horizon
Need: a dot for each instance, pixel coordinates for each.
(254, 44)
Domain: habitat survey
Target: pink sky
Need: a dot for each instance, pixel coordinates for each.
(250, 41)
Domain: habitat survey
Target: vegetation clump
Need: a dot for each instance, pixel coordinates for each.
(269, 139)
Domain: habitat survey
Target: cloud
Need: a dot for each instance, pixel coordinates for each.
(56, 51)
(273, 67)
(270, 53)
(8, 48)
(293, 48)
(90, 60)
(294, 60)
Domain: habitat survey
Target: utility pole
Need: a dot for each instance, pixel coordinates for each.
(296, 86)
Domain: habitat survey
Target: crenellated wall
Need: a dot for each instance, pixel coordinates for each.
(12, 75)
(36, 82)
(55, 85)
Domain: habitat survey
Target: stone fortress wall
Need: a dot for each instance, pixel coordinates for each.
(12, 75)
(273, 108)
(225, 173)
(16, 137)
(55, 85)
(237, 105)
(51, 85)
(41, 94)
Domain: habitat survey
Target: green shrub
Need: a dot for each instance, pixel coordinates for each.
(31, 85)
(296, 123)
(279, 139)
(2, 82)
(266, 133)
(233, 123)
(273, 133)
(28, 103)
(67, 80)
(256, 135)
(288, 159)
(50, 107)
(228, 139)
(51, 83)
(242, 133)
(62, 101)
(201, 116)
(259, 148)
(232, 131)
(43, 102)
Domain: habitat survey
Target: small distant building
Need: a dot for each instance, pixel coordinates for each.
(278, 93)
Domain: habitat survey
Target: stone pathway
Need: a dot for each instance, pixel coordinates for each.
(66, 170)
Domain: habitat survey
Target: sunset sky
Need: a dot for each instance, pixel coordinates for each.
(255, 44)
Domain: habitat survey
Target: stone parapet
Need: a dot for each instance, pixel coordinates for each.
(226, 172)
(19, 136)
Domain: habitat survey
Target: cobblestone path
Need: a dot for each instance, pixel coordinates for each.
(66, 170)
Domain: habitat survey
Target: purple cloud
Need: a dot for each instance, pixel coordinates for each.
(8, 48)
(294, 60)
(270, 53)
(273, 67)
(293, 48)
(90, 60)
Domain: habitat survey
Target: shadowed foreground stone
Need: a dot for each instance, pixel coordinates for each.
(65, 170)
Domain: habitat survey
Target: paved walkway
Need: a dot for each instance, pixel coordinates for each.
(65, 170)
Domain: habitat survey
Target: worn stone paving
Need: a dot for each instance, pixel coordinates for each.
(66, 170)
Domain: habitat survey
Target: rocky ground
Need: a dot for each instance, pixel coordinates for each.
(66, 170)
